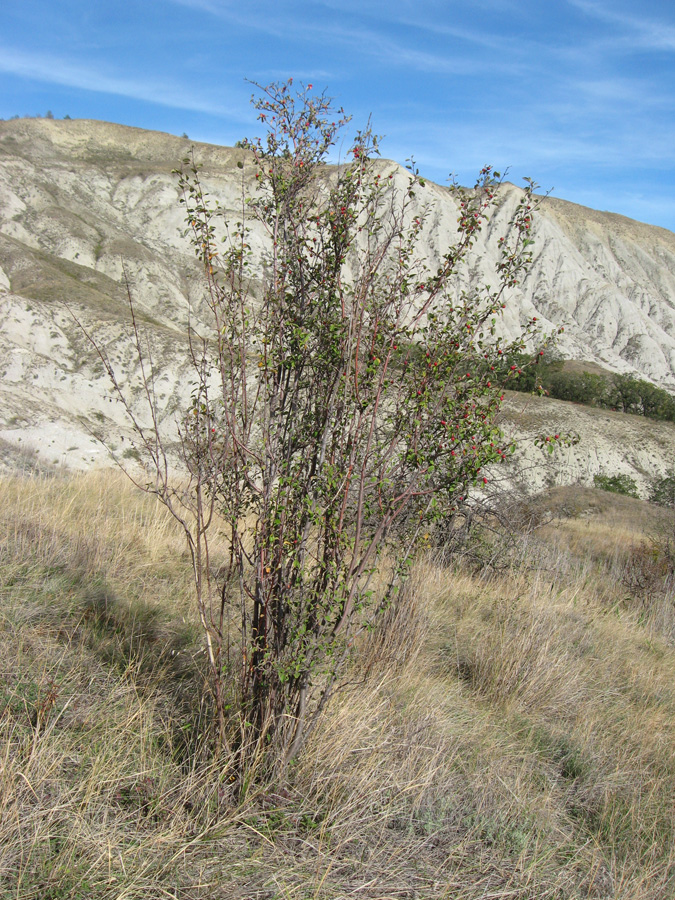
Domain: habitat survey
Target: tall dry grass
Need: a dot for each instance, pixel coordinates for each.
(510, 735)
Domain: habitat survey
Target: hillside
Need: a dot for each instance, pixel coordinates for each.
(86, 206)
(508, 737)
(501, 722)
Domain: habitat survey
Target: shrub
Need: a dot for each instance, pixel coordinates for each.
(634, 395)
(663, 490)
(337, 415)
(617, 484)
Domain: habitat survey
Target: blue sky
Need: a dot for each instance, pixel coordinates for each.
(577, 94)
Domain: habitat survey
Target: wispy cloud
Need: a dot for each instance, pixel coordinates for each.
(397, 54)
(641, 32)
(52, 69)
(373, 42)
(534, 142)
(640, 99)
(297, 73)
(210, 6)
(411, 16)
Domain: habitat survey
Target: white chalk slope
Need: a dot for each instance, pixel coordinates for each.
(84, 205)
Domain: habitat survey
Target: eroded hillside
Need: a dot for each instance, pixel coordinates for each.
(87, 207)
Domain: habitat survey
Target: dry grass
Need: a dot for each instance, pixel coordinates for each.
(510, 736)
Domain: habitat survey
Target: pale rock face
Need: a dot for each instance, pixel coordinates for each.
(610, 443)
(86, 207)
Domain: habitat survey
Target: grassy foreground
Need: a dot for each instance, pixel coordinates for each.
(512, 736)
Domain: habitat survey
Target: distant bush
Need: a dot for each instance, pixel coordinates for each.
(663, 490)
(583, 387)
(647, 571)
(545, 372)
(617, 484)
(634, 395)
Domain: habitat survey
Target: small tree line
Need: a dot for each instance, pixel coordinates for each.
(48, 115)
(623, 393)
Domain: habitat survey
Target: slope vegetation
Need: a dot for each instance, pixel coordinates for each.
(508, 735)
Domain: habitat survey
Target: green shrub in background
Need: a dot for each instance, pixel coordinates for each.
(634, 395)
(663, 490)
(584, 387)
(617, 484)
(622, 393)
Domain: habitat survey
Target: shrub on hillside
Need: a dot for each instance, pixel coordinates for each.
(617, 484)
(340, 410)
(642, 398)
(583, 387)
(527, 373)
(623, 393)
(663, 490)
